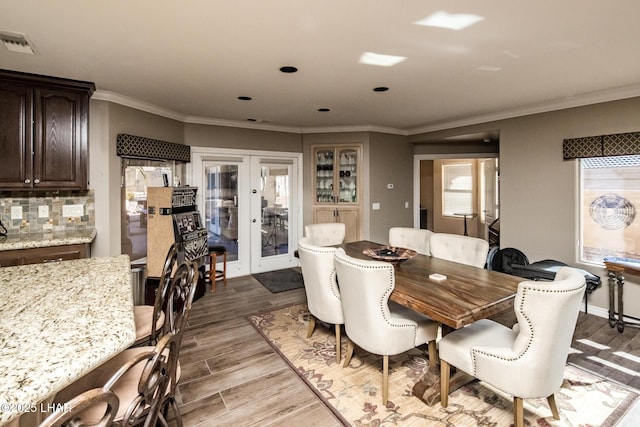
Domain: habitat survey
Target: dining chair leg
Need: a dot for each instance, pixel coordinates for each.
(445, 370)
(337, 343)
(385, 379)
(312, 325)
(348, 354)
(551, 400)
(518, 412)
(433, 353)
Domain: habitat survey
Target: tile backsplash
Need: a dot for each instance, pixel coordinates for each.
(44, 212)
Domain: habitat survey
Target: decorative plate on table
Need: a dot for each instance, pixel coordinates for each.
(392, 254)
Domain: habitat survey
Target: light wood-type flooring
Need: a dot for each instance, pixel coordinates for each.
(232, 377)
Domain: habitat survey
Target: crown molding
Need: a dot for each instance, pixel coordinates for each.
(364, 128)
(116, 98)
(596, 97)
(582, 100)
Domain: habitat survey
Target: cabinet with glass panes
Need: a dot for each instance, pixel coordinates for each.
(336, 182)
(336, 170)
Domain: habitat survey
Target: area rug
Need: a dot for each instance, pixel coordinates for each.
(353, 394)
(280, 280)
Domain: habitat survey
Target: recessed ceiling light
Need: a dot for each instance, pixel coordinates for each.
(245, 98)
(380, 89)
(380, 59)
(288, 69)
(323, 110)
(451, 21)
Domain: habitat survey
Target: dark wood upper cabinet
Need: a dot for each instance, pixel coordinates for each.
(44, 129)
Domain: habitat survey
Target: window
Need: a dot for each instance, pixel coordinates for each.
(457, 189)
(137, 175)
(609, 194)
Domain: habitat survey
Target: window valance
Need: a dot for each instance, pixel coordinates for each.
(620, 144)
(146, 148)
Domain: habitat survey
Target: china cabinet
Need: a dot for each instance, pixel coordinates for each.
(336, 184)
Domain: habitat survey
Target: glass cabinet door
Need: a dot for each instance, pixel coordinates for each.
(336, 174)
(324, 179)
(347, 160)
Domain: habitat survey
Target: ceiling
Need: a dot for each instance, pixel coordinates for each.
(191, 60)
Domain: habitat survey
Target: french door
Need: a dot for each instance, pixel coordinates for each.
(250, 205)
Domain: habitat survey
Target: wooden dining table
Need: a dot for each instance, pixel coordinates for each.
(466, 295)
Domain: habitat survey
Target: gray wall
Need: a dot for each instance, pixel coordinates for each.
(390, 162)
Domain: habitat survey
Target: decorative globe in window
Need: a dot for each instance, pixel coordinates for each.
(612, 212)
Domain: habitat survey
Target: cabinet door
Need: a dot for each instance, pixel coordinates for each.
(60, 140)
(350, 219)
(323, 215)
(347, 160)
(324, 175)
(16, 102)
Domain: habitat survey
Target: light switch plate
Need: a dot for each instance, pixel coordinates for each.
(43, 211)
(375, 206)
(16, 212)
(72, 211)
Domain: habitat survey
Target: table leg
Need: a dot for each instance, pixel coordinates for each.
(428, 388)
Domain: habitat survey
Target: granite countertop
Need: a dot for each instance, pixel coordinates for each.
(41, 240)
(59, 321)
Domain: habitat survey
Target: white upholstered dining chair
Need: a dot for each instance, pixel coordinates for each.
(458, 248)
(323, 295)
(374, 323)
(325, 234)
(526, 361)
(410, 238)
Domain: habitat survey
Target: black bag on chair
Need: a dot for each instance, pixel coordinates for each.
(547, 269)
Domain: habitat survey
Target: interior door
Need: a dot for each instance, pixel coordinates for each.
(274, 212)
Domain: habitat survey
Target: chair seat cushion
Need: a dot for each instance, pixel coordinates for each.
(456, 347)
(427, 328)
(143, 315)
(217, 249)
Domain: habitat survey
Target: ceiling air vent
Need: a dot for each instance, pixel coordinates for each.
(16, 42)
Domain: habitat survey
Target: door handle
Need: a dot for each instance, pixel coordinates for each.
(254, 220)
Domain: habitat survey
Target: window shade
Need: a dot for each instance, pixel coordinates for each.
(146, 148)
(620, 144)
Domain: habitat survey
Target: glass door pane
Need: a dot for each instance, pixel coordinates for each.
(324, 177)
(274, 210)
(347, 165)
(274, 198)
(221, 206)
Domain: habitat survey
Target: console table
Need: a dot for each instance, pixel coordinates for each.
(616, 268)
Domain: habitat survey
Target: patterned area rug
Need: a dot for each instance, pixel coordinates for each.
(354, 393)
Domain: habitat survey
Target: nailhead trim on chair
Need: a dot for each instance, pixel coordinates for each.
(332, 278)
(522, 300)
(386, 294)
